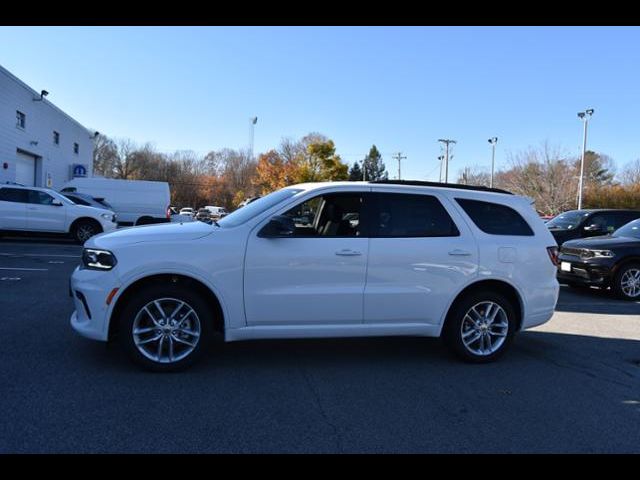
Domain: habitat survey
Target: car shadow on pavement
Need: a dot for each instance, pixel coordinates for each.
(594, 300)
(34, 239)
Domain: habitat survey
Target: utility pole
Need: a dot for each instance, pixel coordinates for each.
(253, 121)
(584, 116)
(440, 159)
(364, 169)
(399, 157)
(493, 141)
(446, 142)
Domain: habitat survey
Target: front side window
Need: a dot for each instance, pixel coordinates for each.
(15, 195)
(409, 215)
(78, 200)
(495, 219)
(331, 215)
(40, 198)
(21, 119)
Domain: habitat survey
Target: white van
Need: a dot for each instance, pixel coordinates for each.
(216, 212)
(135, 202)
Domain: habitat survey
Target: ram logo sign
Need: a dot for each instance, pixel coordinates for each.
(78, 170)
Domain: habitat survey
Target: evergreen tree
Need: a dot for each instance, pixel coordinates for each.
(374, 167)
(355, 172)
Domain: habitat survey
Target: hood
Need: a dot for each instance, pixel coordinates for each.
(164, 232)
(94, 210)
(601, 243)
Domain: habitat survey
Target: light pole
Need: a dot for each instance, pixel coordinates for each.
(253, 120)
(440, 158)
(584, 116)
(493, 141)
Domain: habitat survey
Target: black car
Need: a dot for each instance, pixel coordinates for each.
(588, 223)
(606, 261)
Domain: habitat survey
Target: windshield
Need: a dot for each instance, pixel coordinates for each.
(243, 214)
(631, 229)
(567, 220)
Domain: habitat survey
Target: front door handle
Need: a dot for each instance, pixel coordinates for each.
(348, 253)
(459, 253)
(32, 208)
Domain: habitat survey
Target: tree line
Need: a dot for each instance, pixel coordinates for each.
(550, 176)
(226, 177)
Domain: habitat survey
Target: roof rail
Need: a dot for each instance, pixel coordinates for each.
(420, 183)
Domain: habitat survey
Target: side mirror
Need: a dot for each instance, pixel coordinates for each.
(278, 226)
(56, 203)
(594, 228)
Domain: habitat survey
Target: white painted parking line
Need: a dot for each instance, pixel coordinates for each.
(52, 255)
(26, 269)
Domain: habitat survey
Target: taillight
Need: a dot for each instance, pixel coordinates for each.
(169, 212)
(553, 255)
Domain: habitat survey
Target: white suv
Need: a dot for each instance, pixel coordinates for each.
(340, 259)
(34, 209)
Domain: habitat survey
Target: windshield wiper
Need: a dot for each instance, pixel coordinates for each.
(215, 222)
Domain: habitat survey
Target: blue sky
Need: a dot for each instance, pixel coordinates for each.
(400, 88)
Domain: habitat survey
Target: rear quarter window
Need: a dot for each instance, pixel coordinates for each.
(495, 219)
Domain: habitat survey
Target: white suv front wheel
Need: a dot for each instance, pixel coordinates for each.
(480, 326)
(165, 327)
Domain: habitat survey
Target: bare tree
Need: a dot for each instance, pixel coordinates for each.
(545, 174)
(631, 173)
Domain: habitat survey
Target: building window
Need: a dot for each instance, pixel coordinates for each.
(21, 119)
(76, 148)
(56, 138)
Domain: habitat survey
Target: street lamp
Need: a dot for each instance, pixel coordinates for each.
(253, 120)
(492, 141)
(584, 116)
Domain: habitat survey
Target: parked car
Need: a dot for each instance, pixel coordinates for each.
(136, 202)
(187, 211)
(176, 216)
(33, 209)
(217, 212)
(610, 261)
(588, 223)
(88, 200)
(470, 264)
(203, 215)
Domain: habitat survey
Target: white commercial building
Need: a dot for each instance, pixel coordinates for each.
(40, 145)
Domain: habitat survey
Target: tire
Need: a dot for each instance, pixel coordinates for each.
(626, 282)
(459, 329)
(84, 230)
(145, 221)
(195, 316)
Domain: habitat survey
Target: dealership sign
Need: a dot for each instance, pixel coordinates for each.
(78, 170)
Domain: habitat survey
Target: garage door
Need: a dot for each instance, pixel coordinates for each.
(25, 169)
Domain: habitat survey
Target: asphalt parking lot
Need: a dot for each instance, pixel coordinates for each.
(572, 385)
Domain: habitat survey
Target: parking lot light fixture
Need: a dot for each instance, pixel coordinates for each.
(584, 116)
(492, 141)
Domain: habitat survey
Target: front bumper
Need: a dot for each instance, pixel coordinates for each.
(89, 290)
(595, 273)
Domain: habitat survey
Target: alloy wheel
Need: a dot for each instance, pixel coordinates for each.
(484, 328)
(166, 330)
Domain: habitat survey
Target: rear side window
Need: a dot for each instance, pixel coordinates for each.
(494, 218)
(13, 195)
(405, 215)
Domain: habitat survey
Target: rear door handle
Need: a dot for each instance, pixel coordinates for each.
(348, 253)
(459, 253)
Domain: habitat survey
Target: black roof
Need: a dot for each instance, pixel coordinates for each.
(420, 183)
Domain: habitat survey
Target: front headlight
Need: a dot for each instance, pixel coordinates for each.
(106, 216)
(587, 253)
(95, 259)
